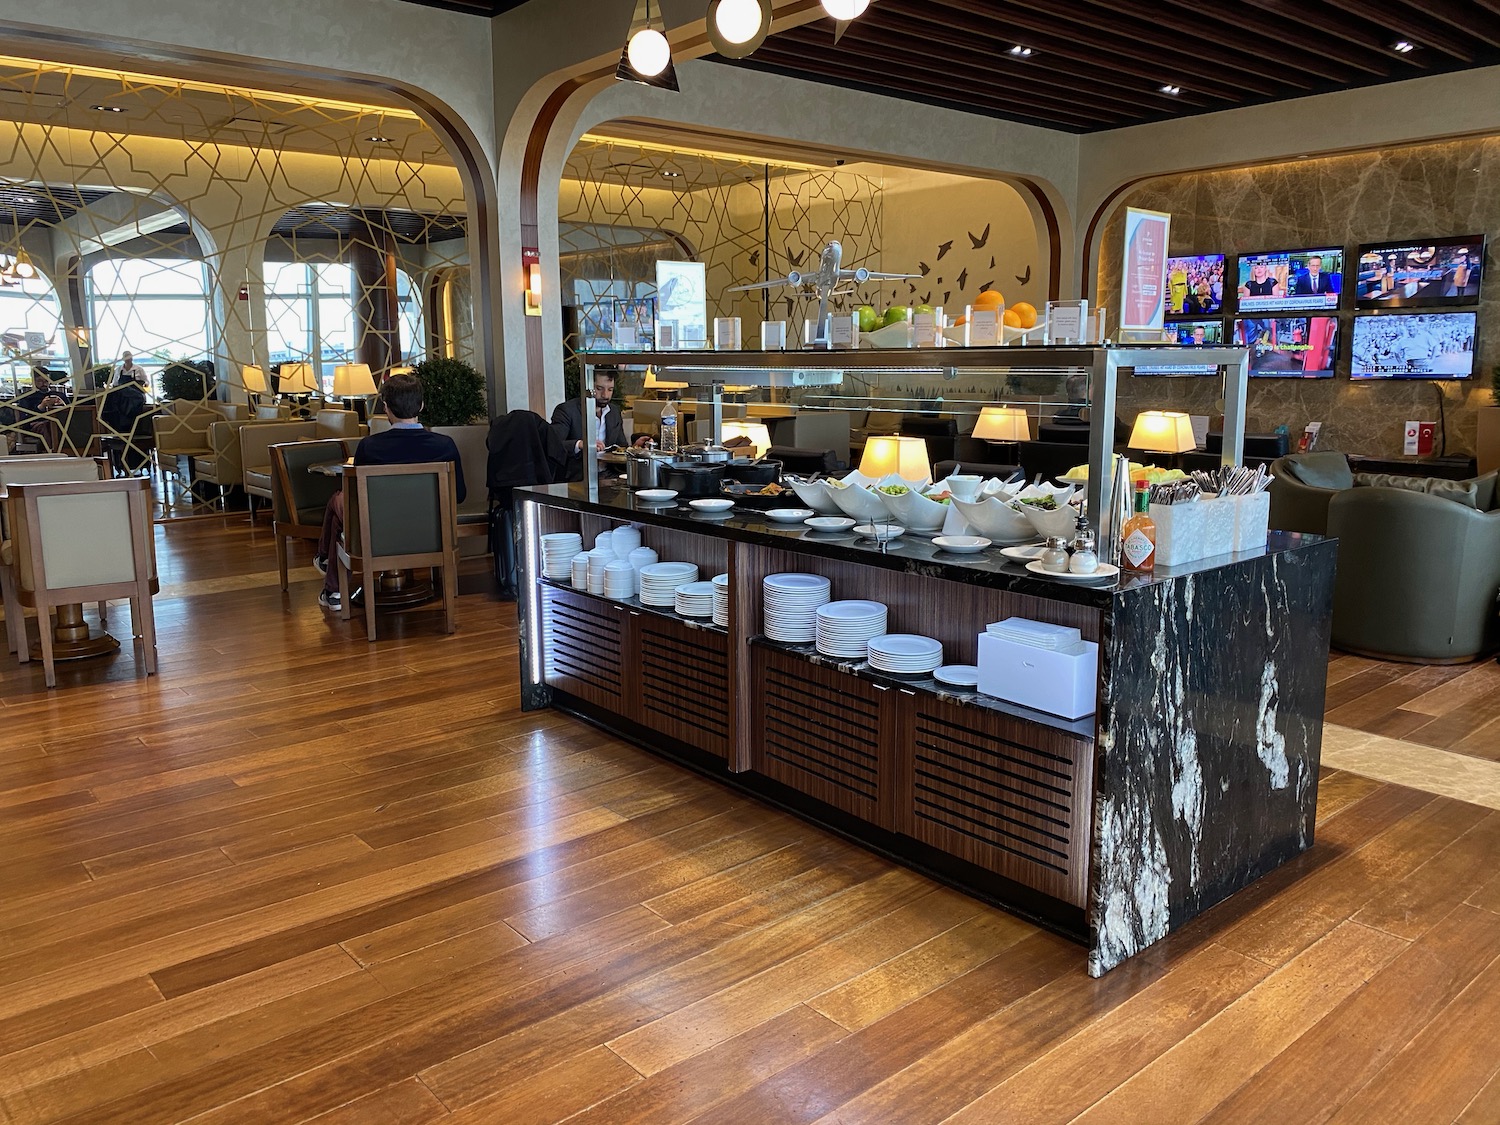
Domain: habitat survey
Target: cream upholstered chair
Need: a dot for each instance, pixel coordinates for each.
(333, 423)
(255, 454)
(81, 541)
(33, 470)
(395, 517)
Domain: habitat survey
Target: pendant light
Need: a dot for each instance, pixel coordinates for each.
(737, 27)
(647, 57)
(845, 9)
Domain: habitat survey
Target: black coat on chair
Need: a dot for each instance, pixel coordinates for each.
(524, 450)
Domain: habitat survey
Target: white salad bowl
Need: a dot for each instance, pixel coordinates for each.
(915, 511)
(858, 501)
(1059, 522)
(996, 520)
(814, 493)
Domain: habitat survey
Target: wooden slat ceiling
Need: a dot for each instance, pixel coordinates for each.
(477, 7)
(1101, 64)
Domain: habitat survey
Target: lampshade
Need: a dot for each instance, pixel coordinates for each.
(904, 456)
(254, 379)
(1003, 423)
(653, 383)
(759, 435)
(1162, 431)
(297, 379)
(353, 380)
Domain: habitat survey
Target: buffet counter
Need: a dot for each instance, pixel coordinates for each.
(1196, 774)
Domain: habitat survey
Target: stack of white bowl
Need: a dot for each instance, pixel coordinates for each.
(905, 654)
(619, 580)
(695, 599)
(624, 540)
(721, 599)
(845, 628)
(790, 613)
(598, 560)
(641, 556)
(602, 541)
(581, 570)
(558, 550)
(659, 582)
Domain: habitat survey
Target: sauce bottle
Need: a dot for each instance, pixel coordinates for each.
(1138, 536)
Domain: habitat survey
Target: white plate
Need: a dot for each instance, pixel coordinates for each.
(957, 675)
(711, 505)
(789, 515)
(881, 532)
(906, 646)
(961, 544)
(1024, 554)
(656, 495)
(830, 523)
(1106, 570)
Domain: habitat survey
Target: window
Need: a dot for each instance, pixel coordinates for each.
(413, 321)
(310, 314)
(154, 307)
(31, 332)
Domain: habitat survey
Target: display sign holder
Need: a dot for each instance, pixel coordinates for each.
(1143, 295)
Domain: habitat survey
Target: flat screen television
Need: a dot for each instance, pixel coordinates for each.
(1289, 347)
(1195, 285)
(1415, 274)
(1414, 346)
(1290, 280)
(1190, 333)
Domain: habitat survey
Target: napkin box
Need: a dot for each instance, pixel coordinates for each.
(1058, 683)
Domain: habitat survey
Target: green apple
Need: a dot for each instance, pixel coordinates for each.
(924, 309)
(897, 314)
(869, 319)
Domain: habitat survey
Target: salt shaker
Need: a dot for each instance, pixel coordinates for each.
(1085, 558)
(1055, 557)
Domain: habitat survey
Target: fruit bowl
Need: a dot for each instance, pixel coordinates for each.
(896, 335)
(997, 520)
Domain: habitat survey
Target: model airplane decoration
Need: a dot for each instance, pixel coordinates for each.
(825, 283)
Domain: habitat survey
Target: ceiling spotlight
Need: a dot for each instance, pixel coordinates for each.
(379, 140)
(107, 108)
(668, 174)
(1403, 46)
(737, 27)
(845, 9)
(1021, 52)
(29, 200)
(1170, 89)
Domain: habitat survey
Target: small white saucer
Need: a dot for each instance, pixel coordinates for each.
(829, 523)
(711, 505)
(957, 675)
(961, 544)
(1105, 571)
(788, 515)
(881, 532)
(1024, 554)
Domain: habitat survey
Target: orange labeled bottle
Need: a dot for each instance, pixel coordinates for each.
(1138, 536)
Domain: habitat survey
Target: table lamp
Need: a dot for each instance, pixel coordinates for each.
(353, 380)
(1163, 431)
(757, 432)
(1003, 423)
(904, 456)
(255, 382)
(297, 379)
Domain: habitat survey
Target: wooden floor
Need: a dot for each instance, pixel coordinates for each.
(1452, 707)
(299, 877)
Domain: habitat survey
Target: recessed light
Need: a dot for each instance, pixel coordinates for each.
(1403, 46)
(1021, 52)
(1170, 89)
(378, 140)
(29, 199)
(667, 174)
(107, 108)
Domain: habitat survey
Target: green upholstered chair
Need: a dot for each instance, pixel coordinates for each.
(397, 517)
(299, 495)
(88, 540)
(1302, 485)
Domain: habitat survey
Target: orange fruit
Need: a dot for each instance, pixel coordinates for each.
(990, 298)
(1012, 319)
(1027, 313)
(960, 322)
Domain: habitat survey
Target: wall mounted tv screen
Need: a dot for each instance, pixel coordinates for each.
(1414, 346)
(1290, 347)
(1195, 285)
(1191, 333)
(1291, 280)
(1438, 271)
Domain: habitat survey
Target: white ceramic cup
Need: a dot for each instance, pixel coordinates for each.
(964, 486)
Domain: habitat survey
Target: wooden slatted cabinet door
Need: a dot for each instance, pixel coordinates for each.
(684, 682)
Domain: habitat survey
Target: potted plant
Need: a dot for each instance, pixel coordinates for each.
(188, 378)
(452, 393)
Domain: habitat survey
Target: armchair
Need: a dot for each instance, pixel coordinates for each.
(298, 495)
(1302, 487)
(333, 423)
(398, 516)
(1417, 575)
(255, 454)
(221, 466)
(473, 453)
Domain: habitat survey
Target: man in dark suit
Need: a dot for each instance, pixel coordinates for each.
(405, 443)
(1311, 280)
(567, 422)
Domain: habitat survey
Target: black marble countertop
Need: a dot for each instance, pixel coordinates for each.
(911, 553)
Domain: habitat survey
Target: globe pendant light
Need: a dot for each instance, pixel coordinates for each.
(737, 27)
(845, 9)
(647, 57)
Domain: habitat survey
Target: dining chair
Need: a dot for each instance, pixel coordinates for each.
(88, 540)
(396, 517)
(299, 495)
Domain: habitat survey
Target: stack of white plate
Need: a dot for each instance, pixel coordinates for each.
(696, 599)
(905, 654)
(581, 570)
(845, 628)
(624, 540)
(721, 600)
(619, 580)
(791, 606)
(598, 560)
(558, 551)
(659, 581)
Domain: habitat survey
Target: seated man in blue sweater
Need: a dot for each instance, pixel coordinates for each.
(405, 443)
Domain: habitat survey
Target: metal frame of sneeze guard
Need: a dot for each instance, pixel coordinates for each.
(826, 368)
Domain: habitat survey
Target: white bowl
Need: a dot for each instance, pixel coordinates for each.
(788, 515)
(858, 501)
(656, 495)
(814, 493)
(997, 520)
(880, 532)
(915, 510)
(961, 544)
(1061, 521)
(711, 505)
(830, 523)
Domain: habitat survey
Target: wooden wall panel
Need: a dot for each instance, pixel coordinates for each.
(684, 682)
